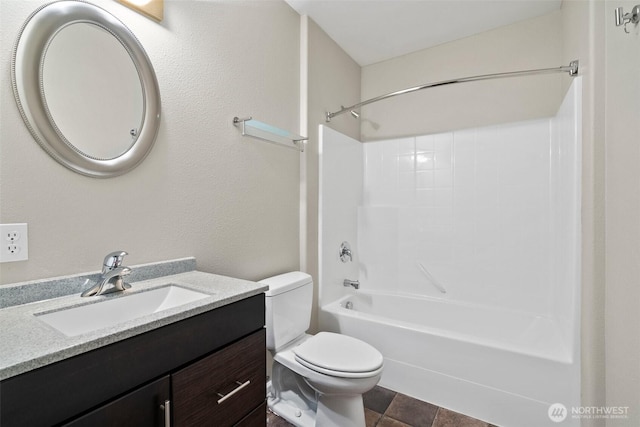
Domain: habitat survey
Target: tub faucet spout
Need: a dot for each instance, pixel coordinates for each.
(354, 283)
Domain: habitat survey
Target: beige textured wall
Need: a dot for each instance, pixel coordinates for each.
(333, 79)
(622, 216)
(610, 63)
(204, 190)
(534, 43)
(583, 38)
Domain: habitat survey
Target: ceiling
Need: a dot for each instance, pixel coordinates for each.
(371, 31)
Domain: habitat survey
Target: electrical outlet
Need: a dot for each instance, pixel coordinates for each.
(12, 236)
(14, 242)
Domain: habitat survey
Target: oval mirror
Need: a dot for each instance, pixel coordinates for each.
(86, 88)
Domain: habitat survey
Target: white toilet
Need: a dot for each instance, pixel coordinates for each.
(316, 380)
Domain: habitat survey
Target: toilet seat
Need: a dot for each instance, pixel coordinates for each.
(339, 356)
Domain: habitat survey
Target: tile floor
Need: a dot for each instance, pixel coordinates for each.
(386, 408)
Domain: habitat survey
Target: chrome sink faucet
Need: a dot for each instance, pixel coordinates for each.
(112, 273)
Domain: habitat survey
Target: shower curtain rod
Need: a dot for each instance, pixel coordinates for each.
(572, 69)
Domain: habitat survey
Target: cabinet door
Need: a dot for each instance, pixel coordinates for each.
(143, 407)
(257, 417)
(221, 389)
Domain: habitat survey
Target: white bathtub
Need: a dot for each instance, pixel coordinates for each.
(500, 366)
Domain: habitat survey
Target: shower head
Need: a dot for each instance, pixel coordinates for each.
(355, 114)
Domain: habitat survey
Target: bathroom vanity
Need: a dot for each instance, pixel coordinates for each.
(200, 363)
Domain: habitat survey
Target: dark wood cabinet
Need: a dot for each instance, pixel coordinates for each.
(222, 388)
(191, 361)
(144, 407)
(256, 418)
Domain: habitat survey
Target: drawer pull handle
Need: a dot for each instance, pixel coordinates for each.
(167, 413)
(224, 397)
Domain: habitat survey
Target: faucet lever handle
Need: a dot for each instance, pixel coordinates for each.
(113, 260)
(124, 271)
(345, 252)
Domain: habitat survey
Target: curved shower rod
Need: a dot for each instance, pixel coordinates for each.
(572, 69)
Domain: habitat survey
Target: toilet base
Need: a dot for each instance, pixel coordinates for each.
(327, 411)
(290, 406)
(340, 411)
(331, 411)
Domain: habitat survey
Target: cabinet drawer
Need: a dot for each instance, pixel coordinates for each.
(224, 387)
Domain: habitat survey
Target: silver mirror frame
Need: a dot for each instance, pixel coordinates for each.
(33, 40)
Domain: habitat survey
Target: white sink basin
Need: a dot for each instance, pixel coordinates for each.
(90, 317)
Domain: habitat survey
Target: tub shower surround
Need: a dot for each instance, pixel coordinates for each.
(467, 251)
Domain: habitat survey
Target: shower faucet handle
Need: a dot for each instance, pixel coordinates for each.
(345, 252)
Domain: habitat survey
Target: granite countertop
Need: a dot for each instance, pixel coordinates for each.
(29, 343)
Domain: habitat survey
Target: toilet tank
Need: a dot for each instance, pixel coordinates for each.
(288, 307)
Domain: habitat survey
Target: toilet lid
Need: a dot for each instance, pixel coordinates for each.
(338, 353)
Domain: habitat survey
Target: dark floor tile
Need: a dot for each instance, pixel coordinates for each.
(378, 399)
(390, 422)
(447, 418)
(274, 420)
(371, 418)
(412, 411)
(401, 411)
